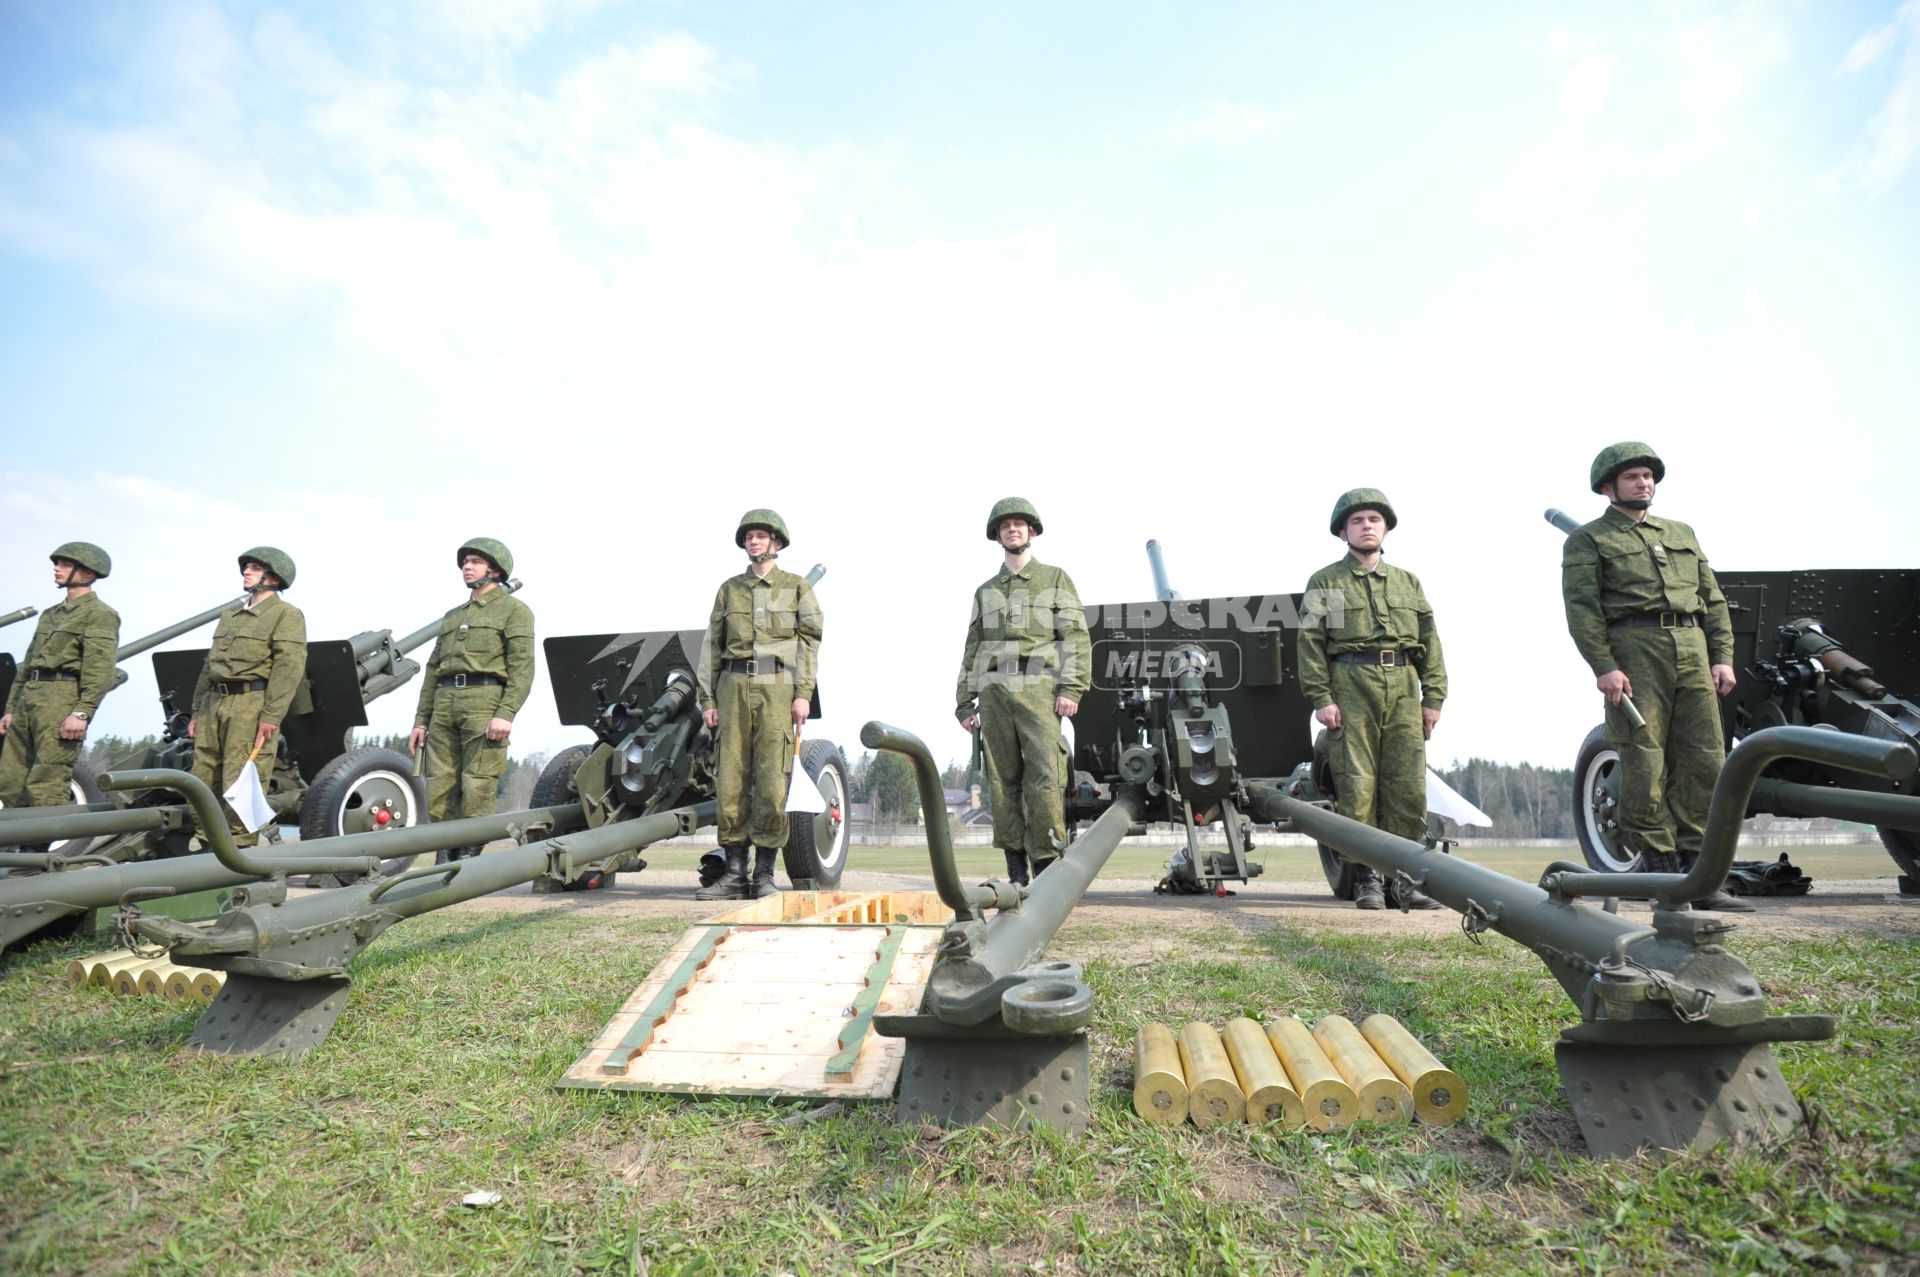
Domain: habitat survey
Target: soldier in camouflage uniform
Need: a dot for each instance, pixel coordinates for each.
(67, 671)
(478, 677)
(1370, 664)
(1027, 663)
(756, 680)
(1649, 618)
(253, 671)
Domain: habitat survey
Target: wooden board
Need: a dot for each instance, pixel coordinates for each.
(915, 908)
(763, 1014)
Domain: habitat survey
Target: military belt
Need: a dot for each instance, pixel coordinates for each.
(1663, 620)
(756, 665)
(1391, 657)
(471, 680)
(55, 676)
(233, 687)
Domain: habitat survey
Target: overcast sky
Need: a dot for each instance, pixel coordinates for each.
(362, 281)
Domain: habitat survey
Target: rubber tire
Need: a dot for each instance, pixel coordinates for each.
(809, 866)
(554, 788)
(324, 805)
(85, 788)
(1904, 847)
(1596, 794)
(1343, 875)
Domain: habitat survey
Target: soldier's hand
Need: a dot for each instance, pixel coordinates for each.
(1065, 706)
(711, 718)
(415, 739)
(264, 733)
(1429, 719)
(1329, 717)
(1613, 685)
(498, 729)
(971, 723)
(1723, 679)
(73, 728)
(6, 721)
(801, 708)
(193, 728)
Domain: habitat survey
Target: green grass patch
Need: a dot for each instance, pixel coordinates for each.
(137, 1155)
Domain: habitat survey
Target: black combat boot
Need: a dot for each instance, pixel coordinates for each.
(1017, 868)
(762, 885)
(733, 883)
(1367, 891)
(1407, 898)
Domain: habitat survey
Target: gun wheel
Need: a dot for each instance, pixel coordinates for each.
(362, 791)
(1596, 807)
(1342, 874)
(555, 789)
(1904, 848)
(85, 788)
(816, 852)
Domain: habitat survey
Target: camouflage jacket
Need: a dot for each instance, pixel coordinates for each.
(1617, 566)
(753, 616)
(267, 640)
(1350, 608)
(77, 637)
(1025, 624)
(491, 633)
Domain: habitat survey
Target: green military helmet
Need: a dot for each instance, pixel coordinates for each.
(87, 555)
(766, 520)
(1361, 499)
(278, 562)
(494, 552)
(1624, 456)
(1007, 508)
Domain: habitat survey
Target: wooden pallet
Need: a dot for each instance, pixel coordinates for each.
(775, 998)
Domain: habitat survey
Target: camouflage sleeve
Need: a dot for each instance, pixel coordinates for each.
(518, 637)
(1718, 619)
(289, 651)
(809, 623)
(1315, 685)
(1580, 591)
(1076, 645)
(429, 682)
(966, 695)
(203, 684)
(708, 673)
(97, 650)
(1433, 665)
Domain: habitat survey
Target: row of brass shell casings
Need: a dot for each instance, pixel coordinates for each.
(128, 974)
(1326, 1078)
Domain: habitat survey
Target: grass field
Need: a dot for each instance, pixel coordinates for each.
(123, 1152)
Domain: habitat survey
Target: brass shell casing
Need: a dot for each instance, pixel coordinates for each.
(1159, 1083)
(1263, 1080)
(1214, 1095)
(126, 980)
(1329, 1103)
(1384, 1098)
(1439, 1094)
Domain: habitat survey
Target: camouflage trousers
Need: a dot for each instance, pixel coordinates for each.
(1026, 766)
(222, 739)
(1379, 751)
(463, 768)
(1667, 768)
(36, 766)
(754, 754)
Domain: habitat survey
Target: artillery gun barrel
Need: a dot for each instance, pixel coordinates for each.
(1816, 644)
(95, 820)
(19, 614)
(1162, 587)
(381, 659)
(1562, 520)
(34, 902)
(148, 642)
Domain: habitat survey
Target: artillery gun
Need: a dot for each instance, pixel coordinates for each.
(1792, 668)
(636, 693)
(1672, 1048)
(365, 790)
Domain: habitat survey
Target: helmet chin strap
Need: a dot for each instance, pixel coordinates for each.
(1641, 503)
(768, 557)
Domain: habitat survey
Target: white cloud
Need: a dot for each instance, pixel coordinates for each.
(1585, 89)
(1224, 123)
(1893, 134)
